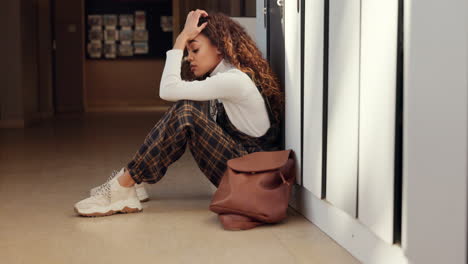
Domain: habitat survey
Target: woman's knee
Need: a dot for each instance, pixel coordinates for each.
(188, 107)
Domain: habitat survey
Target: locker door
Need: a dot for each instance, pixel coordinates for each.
(313, 95)
(343, 104)
(377, 116)
(293, 127)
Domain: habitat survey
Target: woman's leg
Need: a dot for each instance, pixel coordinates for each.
(185, 122)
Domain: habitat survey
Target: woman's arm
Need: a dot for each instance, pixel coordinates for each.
(191, 28)
(180, 42)
(225, 85)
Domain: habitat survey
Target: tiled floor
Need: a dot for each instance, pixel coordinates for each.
(45, 169)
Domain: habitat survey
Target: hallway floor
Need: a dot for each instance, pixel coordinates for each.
(45, 169)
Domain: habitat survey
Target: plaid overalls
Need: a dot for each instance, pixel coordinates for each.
(212, 143)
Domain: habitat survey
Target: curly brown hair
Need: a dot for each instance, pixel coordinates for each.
(238, 48)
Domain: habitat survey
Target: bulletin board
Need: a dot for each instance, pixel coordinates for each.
(128, 29)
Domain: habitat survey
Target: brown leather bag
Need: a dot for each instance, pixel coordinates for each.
(254, 190)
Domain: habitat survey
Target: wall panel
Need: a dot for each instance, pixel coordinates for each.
(313, 95)
(343, 104)
(293, 81)
(377, 116)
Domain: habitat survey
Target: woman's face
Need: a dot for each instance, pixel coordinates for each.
(202, 55)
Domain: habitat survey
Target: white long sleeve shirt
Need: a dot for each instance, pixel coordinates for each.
(243, 102)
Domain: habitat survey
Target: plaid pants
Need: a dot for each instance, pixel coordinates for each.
(212, 143)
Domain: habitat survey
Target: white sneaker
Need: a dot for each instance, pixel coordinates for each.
(140, 189)
(110, 198)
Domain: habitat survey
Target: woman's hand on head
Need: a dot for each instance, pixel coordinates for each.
(191, 28)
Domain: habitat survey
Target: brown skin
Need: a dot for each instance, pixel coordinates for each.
(202, 55)
(126, 180)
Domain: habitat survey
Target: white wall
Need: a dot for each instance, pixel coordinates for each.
(435, 132)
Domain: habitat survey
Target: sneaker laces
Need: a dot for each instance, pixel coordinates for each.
(104, 189)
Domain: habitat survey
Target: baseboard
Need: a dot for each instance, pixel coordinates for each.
(347, 231)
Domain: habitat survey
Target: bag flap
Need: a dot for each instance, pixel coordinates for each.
(260, 161)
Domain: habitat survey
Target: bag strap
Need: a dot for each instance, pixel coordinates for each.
(267, 103)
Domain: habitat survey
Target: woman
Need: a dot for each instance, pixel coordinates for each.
(222, 66)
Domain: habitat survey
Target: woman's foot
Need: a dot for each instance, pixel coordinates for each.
(140, 188)
(110, 198)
